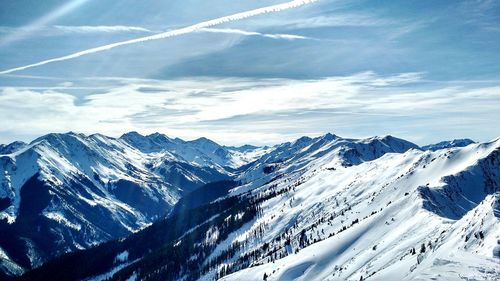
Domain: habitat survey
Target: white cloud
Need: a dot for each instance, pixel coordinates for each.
(236, 110)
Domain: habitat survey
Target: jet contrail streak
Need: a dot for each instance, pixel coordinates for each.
(253, 33)
(172, 33)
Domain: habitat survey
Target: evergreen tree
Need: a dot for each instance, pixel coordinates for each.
(422, 248)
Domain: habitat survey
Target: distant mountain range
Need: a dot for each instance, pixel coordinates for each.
(324, 208)
(448, 144)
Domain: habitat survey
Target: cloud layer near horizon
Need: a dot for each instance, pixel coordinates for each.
(260, 111)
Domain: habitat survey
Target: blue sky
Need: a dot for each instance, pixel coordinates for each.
(421, 70)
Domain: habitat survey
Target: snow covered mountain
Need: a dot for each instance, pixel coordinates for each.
(448, 144)
(10, 148)
(202, 151)
(325, 208)
(294, 157)
(410, 216)
(64, 192)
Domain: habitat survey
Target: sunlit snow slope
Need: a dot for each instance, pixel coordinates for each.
(404, 216)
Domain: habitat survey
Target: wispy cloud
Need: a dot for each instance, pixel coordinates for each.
(253, 33)
(58, 30)
(339, 20)
(332, 20)
(259, 111)
(41, 22)
(101, 29)
(173, 33)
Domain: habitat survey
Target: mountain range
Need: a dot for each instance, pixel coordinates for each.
(325, 208)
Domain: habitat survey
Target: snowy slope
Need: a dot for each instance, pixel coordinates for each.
(388, 207)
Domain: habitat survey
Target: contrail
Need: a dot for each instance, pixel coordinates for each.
(172, 33)
(253, 33)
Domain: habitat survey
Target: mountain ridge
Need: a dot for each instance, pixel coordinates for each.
(268, 174)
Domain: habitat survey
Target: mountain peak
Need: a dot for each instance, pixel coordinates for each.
(302, 141)
(98, 135)
(329, 136)
(203, 140)
(155, 142)
(11, 147)
(55, 138)
(448, 144)
(392, 140)
(205, 143)
(159, 137)
(132, 134)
